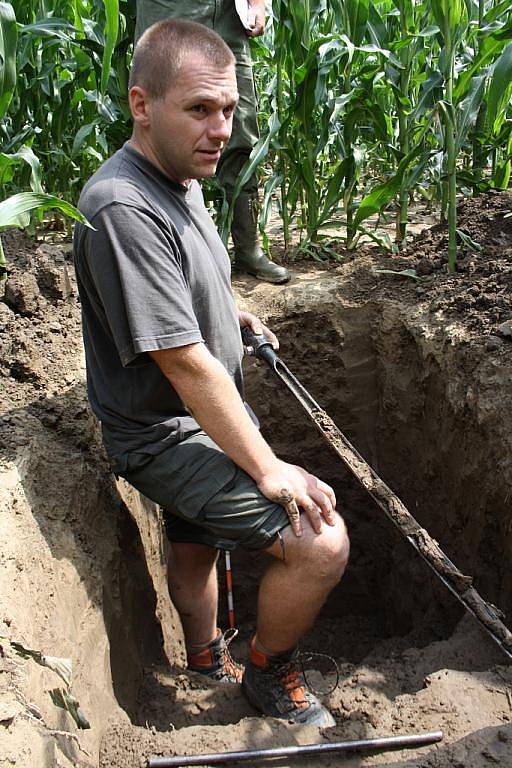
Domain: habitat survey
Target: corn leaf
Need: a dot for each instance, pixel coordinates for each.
(81, 136)
(8, 42)
(467, 241)
(65, 700)
(8, 162)
(61, 666)
(383, 193)
(111, 32)
(468, 110)
(333, 188)
(259, 152)
(490, 48)
(397, 272)
(499, 89)
(54, 27)
(357, 16)
(24, 202)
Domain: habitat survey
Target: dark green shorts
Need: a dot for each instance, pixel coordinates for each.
(205, 497)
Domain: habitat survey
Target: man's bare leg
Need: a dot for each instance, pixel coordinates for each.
(291, 594)
(293, 591)
(192, 579)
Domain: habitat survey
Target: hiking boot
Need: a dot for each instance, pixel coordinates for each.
(216, 662)
(249, 256)
(275, 685)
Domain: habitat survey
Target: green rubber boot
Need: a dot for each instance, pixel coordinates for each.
(249, 256)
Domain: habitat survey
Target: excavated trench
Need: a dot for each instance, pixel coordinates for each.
(425, 406)
(370, 374)
(419, 407)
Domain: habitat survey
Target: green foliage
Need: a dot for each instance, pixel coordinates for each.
(370, 102)
(363, 104)
(15, 210)
(8, 40)
(69, 103)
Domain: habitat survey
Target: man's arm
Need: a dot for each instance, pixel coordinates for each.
(209, 394)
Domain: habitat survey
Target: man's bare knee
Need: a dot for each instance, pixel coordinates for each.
(325, 554)
(330, 552)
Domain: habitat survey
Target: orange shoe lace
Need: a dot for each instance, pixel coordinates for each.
(291, 680)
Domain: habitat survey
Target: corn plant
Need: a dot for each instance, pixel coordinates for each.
(15, 210)
(363, 105)
(70, 102)
(323, 117)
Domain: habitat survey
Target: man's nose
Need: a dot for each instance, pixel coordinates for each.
(219, 127)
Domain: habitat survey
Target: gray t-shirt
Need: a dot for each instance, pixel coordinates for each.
(153, 275)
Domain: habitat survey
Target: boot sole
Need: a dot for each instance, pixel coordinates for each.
(262, 276)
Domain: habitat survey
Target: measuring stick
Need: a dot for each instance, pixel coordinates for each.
(229, 586)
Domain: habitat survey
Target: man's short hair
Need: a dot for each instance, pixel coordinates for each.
(162, 49)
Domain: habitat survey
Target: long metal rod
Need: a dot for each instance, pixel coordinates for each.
(459, 584)
(384, 743)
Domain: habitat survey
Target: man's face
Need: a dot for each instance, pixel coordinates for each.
(190, 126)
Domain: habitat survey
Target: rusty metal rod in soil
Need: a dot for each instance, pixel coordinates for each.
(384, 744)
(458, 583)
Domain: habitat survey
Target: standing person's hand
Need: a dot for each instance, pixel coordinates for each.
(257, 327)
(256, 18)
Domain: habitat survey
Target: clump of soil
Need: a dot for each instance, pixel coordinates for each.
(480, 290)
(415, 373)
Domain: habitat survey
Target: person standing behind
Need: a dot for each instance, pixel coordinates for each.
(222, 16)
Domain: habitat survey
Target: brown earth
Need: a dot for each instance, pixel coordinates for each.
(417, 374)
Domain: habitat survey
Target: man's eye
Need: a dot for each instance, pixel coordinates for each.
(229, 110)
(199, 108)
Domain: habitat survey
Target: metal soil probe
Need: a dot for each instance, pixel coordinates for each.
(382, 744)
(459, 584)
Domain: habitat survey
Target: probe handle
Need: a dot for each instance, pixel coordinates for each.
(258, 345)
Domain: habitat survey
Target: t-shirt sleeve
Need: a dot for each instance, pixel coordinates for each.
(135, 266)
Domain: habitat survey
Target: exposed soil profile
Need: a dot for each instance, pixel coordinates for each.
(416, 374)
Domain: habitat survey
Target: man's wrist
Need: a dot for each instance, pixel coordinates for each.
(264, 466)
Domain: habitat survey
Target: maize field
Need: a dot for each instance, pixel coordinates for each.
(364, 107)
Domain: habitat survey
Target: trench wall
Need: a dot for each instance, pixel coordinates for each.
(74, 585)
(428, 410)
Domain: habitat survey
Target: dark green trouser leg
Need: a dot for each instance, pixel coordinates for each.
(221, 16)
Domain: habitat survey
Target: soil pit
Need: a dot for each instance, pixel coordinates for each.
(418, 378)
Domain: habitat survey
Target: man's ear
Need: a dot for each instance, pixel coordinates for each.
(139, 105)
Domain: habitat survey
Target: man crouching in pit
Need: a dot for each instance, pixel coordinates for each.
(164, 353)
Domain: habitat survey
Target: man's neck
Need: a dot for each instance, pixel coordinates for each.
(146, 152)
